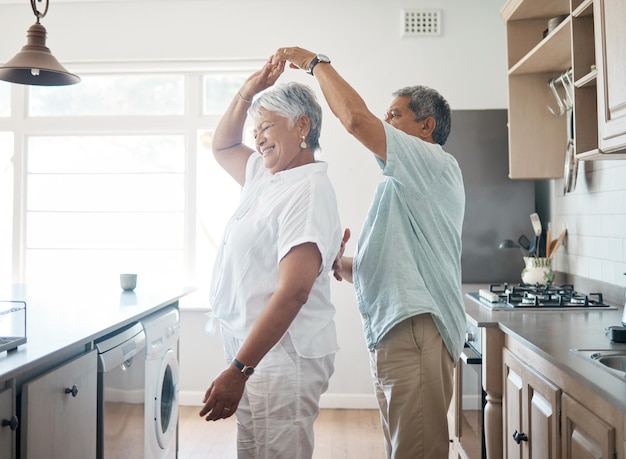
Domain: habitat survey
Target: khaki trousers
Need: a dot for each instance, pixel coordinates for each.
(413, 375)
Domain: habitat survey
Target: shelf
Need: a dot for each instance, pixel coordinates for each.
(531, 9)
(588, 154)
(584, 9)
(552, 54)
(587, 80)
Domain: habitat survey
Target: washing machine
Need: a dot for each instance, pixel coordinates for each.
(162, 331)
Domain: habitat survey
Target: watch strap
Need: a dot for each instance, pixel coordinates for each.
(316, 60)
(245, 370)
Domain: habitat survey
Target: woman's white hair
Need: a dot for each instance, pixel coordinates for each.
(291, 100)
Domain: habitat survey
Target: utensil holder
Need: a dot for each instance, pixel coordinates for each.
(538, 270)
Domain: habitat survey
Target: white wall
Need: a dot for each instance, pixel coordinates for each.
(362, 37)
(595, 218)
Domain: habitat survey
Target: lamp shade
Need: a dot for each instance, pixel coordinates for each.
(35, 65)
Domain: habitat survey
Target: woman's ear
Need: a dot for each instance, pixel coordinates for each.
(304, 125)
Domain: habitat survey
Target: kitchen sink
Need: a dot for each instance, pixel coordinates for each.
(611, 360)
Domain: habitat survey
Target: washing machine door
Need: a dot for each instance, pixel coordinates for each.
(166, 400)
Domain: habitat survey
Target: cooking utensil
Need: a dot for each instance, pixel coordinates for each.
(571, 163)
(524, 242)
(509, 244)
(624, 313)
(548, 241)
(536, 222)
(533, 246)
(557, 242)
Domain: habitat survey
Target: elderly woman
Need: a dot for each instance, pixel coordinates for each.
(270, 288)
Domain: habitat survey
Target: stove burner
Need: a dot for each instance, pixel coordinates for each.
(537, 296)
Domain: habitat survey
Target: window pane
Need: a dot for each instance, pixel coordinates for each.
(106, 154)
(46, 267)
(151, 95)
(5, 99)
(6, 203)
(106, 192)
(217, 198)
(219, 91)
(82, 230)
(107, 204)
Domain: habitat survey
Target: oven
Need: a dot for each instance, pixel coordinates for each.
(471, 402)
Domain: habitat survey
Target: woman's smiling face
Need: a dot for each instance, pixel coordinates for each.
(277, 141)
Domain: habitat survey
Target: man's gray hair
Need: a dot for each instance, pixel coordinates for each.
(425, 102)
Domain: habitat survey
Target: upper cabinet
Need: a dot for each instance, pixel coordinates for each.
(558, 81)
(610, 40)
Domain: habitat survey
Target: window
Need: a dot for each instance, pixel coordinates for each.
(118, 176)
(6, 203)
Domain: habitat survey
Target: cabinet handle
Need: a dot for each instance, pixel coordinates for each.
(73, 390)
(12, 423)
(519, 437)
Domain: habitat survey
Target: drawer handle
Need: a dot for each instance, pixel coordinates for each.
(12, 423)
(73, 390)
(519, 437)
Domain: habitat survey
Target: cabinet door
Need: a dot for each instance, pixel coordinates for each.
(542, 399)
(512, 404)
(59, 412)
(531, 412)
(585, 435)
(610, 17)
(8, 424)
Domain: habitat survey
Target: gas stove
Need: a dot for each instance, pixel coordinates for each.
(538, 297)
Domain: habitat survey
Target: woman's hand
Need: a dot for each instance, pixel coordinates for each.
(223, 396)
(298, 58)
(262, 79)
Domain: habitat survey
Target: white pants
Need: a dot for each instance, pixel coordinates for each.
(280, 403)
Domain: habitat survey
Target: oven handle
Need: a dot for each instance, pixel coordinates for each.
(470, 357)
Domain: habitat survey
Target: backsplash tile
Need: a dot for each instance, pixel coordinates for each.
(595, 217)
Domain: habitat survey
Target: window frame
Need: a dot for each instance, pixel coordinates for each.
(188, 125)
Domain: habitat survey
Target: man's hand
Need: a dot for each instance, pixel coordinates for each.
(338, 263)
(298, 58)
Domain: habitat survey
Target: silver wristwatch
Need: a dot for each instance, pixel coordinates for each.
(316, 60)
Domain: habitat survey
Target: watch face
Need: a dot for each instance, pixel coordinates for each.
(248, 371)
(323, 58)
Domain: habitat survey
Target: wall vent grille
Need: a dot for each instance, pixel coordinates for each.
(421, 22)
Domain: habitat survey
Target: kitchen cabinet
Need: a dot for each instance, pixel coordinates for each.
(8, 422)
(554, 417)
(531, 408)
(584, 433)
(59, 411)
(538, 130)
(610, 51)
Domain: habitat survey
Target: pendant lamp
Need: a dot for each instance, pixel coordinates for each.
(34, 64)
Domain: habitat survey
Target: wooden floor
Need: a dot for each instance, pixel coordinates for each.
(339, 434)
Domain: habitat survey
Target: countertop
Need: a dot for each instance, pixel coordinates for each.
(65, 322)
(552, 335)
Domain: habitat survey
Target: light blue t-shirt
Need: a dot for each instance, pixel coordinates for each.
(408, 256)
